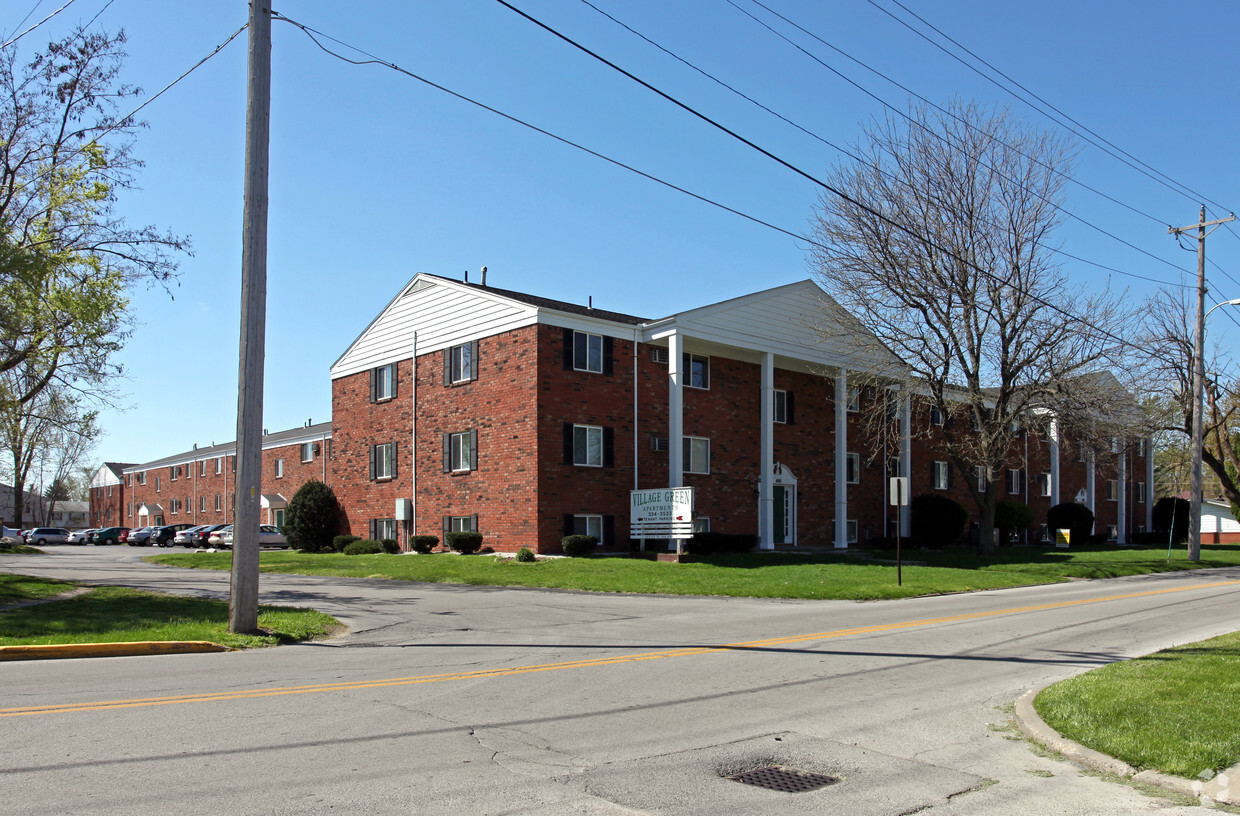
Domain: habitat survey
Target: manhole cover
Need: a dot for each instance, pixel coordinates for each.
(788, 780)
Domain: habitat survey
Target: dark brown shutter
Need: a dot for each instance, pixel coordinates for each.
(568, 349)
(447, 528)
(395, 459)
(373, 377)
(395, 379)
(789, 402)
(568, 443)
(447, 366)
(372, 529)
(447, 453)
(609, 530)
(569, 529)
(951, 479)
(473, 523)
(473, 449)
(609, 367)
(473, 361)
(609, 448)
(372, 463)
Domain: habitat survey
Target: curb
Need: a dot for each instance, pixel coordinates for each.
(1032, 726)
(136, 648)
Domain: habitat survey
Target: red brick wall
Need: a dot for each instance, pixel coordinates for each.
(107, 510)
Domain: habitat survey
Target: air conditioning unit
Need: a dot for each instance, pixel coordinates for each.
(659, 355)
(659, 443)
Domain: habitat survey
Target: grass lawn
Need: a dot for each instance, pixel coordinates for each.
(18, 588)
(119, 615)
(1173, 711)
(759, 575)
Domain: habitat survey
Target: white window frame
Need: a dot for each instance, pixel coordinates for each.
(279, 468)
(1141, 492)
(780, 414)
(690, 360)
(979, 473)
(701, 524)
(219, 502)
(936, 416)
(158, 484)
(460, 454)
(1112, 490)
(692, 463)
(1044, 485)
(461, 524)
(142, 478)
(582, 447)
(1013, 481)
(307, 451)
(591, 521)
(389, 526)
(385, 378)
(461, 363)
(384, 461)
(851, 531)
(219, 465)
(202, 504)
(852, 468)
(939, 480)
(589, 342)
(1112, 532)
(853, 399)
(1141, 447)
(174, 472)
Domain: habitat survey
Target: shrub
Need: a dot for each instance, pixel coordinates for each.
(1076, 518)
(525, 555)
(312, 518)
(720, 543)
(363, 546)
(342, 541)
(937, 520)
(575, 546)
(423, 543)
(1011, 517)
(464, 543)
(390, 546)
(1168, 509)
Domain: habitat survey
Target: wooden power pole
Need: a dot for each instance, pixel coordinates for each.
(243, 600)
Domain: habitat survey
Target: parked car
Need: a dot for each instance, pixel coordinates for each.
(201, 538)
(215, 537)
(189, 537)
(268, 536)
(48, 535)
(163, 536)
(109, 535)
(81, 536)
(138, 537)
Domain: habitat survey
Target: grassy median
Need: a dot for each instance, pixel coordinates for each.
(758, 575)
(1172, 711)
(119, 615)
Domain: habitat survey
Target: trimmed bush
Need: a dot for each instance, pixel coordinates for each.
(464, 543)
(1165, 510)
(1011, 517)
(1076, 518)
(525, 555)
(390, 546)
(342, 541)
(363, 546)
(575, 546)
(312, 518)
(423, 543)
(937, 520)
(720, 543)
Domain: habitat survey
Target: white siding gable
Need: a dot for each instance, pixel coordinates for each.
(442, 314)
(104, 477)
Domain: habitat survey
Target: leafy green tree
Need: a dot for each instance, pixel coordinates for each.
(937, 520)
(312, 518)
(1012, 517)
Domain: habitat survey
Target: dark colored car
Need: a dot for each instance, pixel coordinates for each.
(109, 535)
(200, 537)
(162, 536)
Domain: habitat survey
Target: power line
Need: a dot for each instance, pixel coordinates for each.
(36, 25)
(1150, 172)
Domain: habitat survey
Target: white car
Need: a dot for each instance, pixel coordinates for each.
(80, 536)
(48, 535)
(189, 538)
(268, 536)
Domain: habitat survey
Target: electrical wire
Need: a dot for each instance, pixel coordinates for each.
(36, 25)
(375, 60)
(1125, 157)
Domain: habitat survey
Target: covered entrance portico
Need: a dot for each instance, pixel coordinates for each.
(783, 505)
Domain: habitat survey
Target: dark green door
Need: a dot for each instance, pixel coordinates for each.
(780, 508)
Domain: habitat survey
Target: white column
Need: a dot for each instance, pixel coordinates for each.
(1121, 519)
(841, 458)
(1090, 493)
(675, 412)
(906, 456)
(766, 456)
(1149, 485)
(1054, 443)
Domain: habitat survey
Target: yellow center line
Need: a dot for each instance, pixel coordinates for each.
(245, 694)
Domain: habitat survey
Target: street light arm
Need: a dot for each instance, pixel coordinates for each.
(1232, 302)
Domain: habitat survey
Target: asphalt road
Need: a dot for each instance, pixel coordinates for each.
(468, 700)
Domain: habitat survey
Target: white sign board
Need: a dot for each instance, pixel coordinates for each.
(899, 491)
(665, 512)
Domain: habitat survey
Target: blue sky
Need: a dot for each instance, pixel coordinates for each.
(376, 177)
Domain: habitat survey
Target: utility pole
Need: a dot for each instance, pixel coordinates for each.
(1199, 376)
(243, 600)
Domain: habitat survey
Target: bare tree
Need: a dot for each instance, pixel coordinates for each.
(943, 247)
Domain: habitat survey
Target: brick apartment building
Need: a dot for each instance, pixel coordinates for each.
(466, 407)
(107, 495)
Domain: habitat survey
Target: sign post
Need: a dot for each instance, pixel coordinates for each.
(899, 498)
(665, 512)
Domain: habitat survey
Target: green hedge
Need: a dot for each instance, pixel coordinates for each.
(575, 546)
(423, 543)
(464, 543)
(341, 541)
(363, 546)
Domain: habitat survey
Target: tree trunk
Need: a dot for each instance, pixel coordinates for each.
(986, 521)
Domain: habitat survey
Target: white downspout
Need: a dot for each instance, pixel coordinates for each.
(841, 458)
(766, 454)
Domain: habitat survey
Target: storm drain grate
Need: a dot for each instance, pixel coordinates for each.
(788, 780)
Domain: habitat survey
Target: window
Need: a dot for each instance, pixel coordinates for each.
(979, 473)
(588, 352)
(783, 406)
(109, 490)
(850, 530)
(697, 455)
(307, 452)
(460, 524)
(1015, 481)
(940, 475)
(1044, 484)
(936, 416)
(174, 473)
(1112, 532)
(142, 478)
(1080, 452)
(852, 468)
(588, 445)
(1141, 448)
(219, 502)
(1112, 490)
(382, 461)
(128, 480)
(659, 444)
(279, 468)
(219, 465)
(172, 507)
(460, 451)
(589, 525)
(383, 383)
(696, 370)
(157, 484)
(854, 399)
(1115, 444)
(460, 363)
(129, 509)
(383, 528)
(660, 355)
(202, 504)
(701, 524)
(1140, 491)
